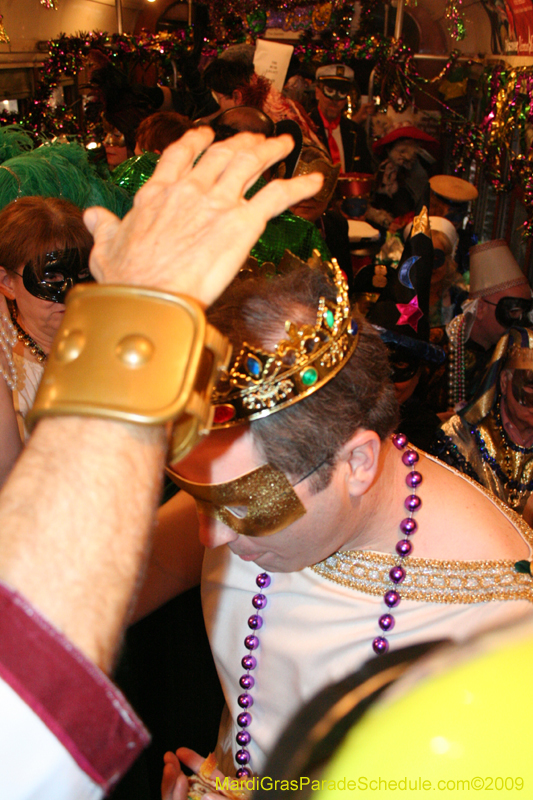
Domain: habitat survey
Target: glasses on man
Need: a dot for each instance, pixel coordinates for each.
(512, 311)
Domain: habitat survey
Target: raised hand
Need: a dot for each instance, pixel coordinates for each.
(191, 228)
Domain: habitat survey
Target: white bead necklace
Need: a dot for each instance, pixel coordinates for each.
(8, 339)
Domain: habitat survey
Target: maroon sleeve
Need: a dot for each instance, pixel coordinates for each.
(75, 700)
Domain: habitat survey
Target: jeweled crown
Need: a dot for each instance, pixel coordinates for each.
(260, 383)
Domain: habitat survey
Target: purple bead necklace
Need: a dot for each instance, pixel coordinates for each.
(404, 547)
(247, 681)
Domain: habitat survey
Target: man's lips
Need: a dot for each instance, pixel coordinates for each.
(245, 556)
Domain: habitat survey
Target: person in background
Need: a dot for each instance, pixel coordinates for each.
(401, 316)
(233, 82)
(44, 251)
(499, 297)
(491, 439)
(452, 197)
(448, 291)
(330, 222)
(344, 138)
(401, 178)
(115, 146)
(157, 131)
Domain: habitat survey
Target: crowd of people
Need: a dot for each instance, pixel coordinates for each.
(351, 444)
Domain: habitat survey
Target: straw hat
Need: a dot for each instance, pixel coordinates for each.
(452, 188)
(493, 268)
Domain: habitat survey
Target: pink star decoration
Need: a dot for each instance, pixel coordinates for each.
(410, 313)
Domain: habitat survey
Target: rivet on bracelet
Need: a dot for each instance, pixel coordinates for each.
(135, 350)
(70, 346)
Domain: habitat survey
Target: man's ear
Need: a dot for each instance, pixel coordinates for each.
(6, 284)
(361, 457)
(482, 309)
(236, 96)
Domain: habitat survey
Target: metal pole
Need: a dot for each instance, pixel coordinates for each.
(399, 19)
(118, 6)
(189, 14)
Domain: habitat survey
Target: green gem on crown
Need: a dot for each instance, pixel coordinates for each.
(309, 376)
(330, 318)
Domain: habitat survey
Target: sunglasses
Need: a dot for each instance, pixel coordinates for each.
(512, 311)
(334, 93)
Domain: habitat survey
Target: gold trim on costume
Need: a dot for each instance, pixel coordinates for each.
(429, 580)
(435, 580)
(515, 464)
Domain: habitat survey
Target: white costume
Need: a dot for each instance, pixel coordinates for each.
(29, 374)
(319, 624)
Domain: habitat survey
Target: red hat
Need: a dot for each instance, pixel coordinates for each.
(404, 132)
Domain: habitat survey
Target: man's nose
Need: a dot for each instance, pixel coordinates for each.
(213, 533)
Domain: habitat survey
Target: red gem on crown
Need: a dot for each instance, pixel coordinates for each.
(223, 413)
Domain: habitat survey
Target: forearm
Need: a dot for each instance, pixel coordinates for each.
(80, 565)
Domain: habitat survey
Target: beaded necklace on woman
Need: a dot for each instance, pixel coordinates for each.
(24, 337)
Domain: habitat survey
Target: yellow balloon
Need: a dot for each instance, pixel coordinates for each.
(455, 725)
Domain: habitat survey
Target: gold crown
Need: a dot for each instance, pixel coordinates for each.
(260, 383)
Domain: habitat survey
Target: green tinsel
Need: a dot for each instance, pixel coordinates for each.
(134, 172)
(288, 232)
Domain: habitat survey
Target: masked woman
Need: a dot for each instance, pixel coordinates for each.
(44, 251)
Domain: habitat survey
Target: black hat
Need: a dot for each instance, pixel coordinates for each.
(401, 315)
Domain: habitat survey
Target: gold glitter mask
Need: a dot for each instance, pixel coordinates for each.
(259, 503)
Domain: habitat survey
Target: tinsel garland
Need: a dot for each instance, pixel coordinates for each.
(456, 22)
(499, 143)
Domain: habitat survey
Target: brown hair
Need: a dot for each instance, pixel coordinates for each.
(157, 131)
(33, 226)
(312, 431)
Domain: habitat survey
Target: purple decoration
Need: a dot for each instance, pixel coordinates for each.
(397, 574)
(399, 440)
(380, 645)
(404, 548)
(353, 327)
(414, 479)
(244, 719)
(259, 601)
(242, 757)
(251, 642)
(243, 737)
(255, 622)
(249, 662)
(245, 700)
(408, 526)
(391, 598)
(412, 503)
(263, 580)
(246, 682)
(386, 622)
(243, 772)
(410, 458)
